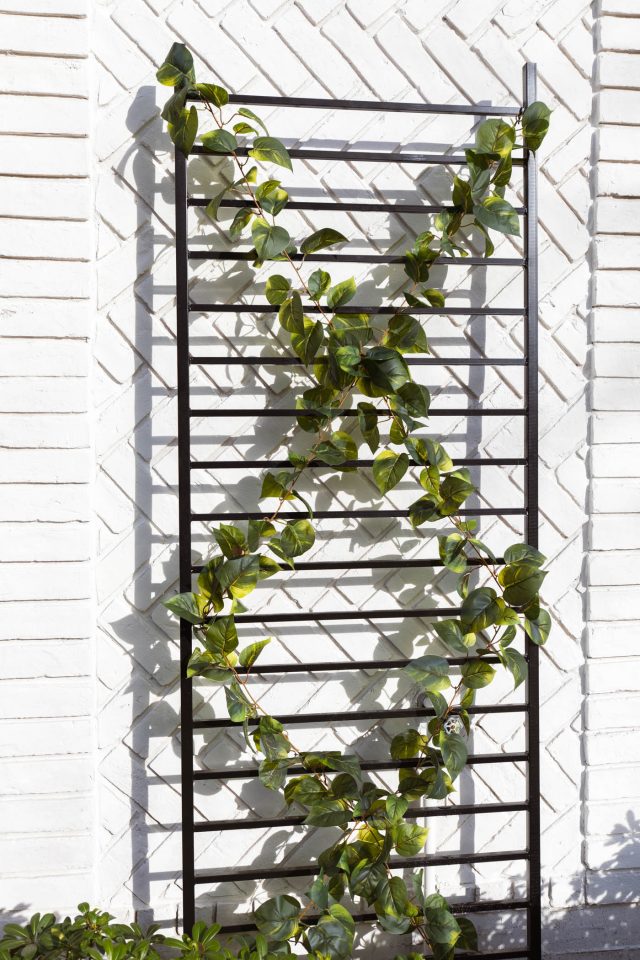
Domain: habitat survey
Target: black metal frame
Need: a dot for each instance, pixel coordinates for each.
(531, 854)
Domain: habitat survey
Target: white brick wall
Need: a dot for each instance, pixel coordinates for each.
(47, 620)
(89, 208)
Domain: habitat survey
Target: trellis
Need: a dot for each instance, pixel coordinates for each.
(530, 853)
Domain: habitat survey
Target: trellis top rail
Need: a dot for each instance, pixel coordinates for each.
(375, 106)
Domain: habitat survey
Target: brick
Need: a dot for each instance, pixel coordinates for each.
(619, 33)
(612, 886)
(230, 65)
(618, 70)
(556, 70)
(59, 8)
(46, 239)
(45, 541)
(42, 278)
(44, 466)
(32, 814)
(611, 713)
(44, 620)
(618, 106)
(35, 659)
(621, 746)
(615, 394)
(43, 395)
(49, 199)
(466, 16)
(52, 503)
(43, 358)
(609, 569)
(619, 143)
(56, 697)
(614, 533)
(600, 779)
(44, 318)
(615, 325)
(51, 581)
(410, 56)
(53, 76)
(53, 430)
(60, 37)
(613, 360)
(612, 639)
(611, 428)
(612, 603)
(616, 252)
(617, 216)
(148, 32)
(31, 855)
(617, 180)
(468, 75)
(45, 776)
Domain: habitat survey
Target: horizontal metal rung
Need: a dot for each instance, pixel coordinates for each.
(459, 909)
(324, 616)
(319, 464)
(352, 716)
(382, 106)
(347, 257)
(396, 863)
(342, 665)
(223, 412)
(353, 514)
(412, 361)
(371, 310)
(413, 813)
(360, 156)
(365, 564)
(347, 205)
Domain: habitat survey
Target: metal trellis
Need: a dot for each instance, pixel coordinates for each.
(187, 517)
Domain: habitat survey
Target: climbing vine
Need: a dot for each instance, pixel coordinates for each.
(357, 358)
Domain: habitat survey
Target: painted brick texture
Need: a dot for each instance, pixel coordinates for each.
(88, 460)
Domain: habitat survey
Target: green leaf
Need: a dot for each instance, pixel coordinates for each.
(321, 239)
(219, 141)
(241, 220)
(452, 635)
(435, 297)
(438, 456)
(212, 207)
(221, 637)
(408, 744)
(250, 654)
(538, 628)
(521, 583)
(386, 371)
(477, 674)
(494, 213)
(270, 150)
(183, 132)
(250, 115)
(308, 343)
(318, 283)
(271, 198)
(452, 552)
(454, 753)
(239, 708)
(516, 665)
(523, 553)
(275, 485)
(406, 334)
(454, 490)
(290, 315)
(270, 739)
(480, 609)
(187, 606)
(494, 136)
(333, 935)
(175, 106)
(423, 510)
(297, 537)
(277, 289)
(268, 240)
(340, 294)
(388, 469)
(239, 576)
(340, 448)
(278, 917)
(535, 124)
(368, 423)
(273, 773)
(348, 358)
(213, 93)
(431, 673)
(230, 539)
(408, 838)
(396, 806)
(177, 67)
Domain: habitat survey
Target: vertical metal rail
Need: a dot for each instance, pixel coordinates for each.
(531, 503)
(184, 521)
